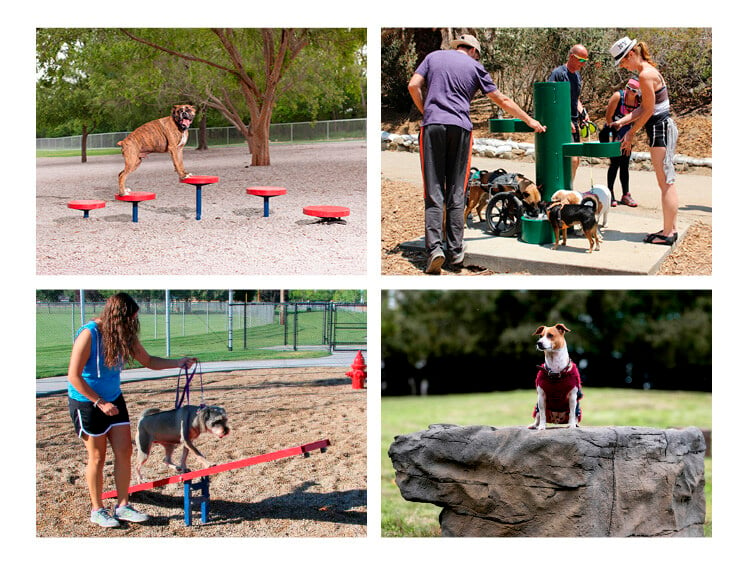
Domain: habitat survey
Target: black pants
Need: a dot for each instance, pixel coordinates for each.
(445, 163)
(619, 166)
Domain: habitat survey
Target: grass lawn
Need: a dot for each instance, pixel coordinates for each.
(601, 407)
(192, 335)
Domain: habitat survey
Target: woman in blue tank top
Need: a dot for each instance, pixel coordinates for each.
(101, 349)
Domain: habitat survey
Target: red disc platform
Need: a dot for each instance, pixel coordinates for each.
(86, 204)
(266, 190)
(200, 179)
(327, 211)
(136, 196)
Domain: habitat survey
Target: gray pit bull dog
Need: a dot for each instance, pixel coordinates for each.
(174, 427)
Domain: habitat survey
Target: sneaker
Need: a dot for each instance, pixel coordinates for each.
(129, 514)
(103, 519)
(435, 262)
(458, 259)
(628, 200)
(613, 203)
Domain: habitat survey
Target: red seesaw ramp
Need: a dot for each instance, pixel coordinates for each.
(282, 454)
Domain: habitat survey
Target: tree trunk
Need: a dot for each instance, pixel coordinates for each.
(202, 134)
(84, 142)
(259, 142)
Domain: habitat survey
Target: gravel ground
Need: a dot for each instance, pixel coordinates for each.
(232, 238)
(323, 495)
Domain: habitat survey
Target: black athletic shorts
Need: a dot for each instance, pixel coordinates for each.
(91, 421)
(657, 132)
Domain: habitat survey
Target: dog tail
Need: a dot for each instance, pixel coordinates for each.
(590, 201)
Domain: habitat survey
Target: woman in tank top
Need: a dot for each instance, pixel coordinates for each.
(97, 406)
(623, 102)
(654, 116)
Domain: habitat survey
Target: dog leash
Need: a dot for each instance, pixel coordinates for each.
(187, 381)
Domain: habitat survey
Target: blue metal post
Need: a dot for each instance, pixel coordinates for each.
(198, 201)
(205, 500)
(204, 486)
(188, 503)
(266, 206)
(134, 211)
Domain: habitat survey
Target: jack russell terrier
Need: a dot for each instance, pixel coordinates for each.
(558, 382)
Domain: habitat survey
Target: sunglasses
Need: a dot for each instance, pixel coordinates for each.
(580, 59)
(634, 90)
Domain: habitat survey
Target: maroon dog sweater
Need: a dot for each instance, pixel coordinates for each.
(557, 387)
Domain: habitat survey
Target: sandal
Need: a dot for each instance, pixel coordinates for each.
(661, 239)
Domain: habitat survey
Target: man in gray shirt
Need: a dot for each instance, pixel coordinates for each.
(442, 88)
(570, 72)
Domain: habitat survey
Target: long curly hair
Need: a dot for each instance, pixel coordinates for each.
(119, 329)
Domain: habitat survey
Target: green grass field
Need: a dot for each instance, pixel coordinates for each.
(196, 335)
(602, 407)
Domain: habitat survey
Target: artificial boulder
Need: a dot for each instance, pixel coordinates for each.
(609, 481)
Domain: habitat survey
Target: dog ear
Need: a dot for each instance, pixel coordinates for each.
(562, 328)
(539, 331)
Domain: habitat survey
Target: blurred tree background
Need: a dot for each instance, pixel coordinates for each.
(442, 342)
(519, 57)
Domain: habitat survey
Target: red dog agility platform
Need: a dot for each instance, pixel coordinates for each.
(328, 213)
(86, 205)
(199, 181)
(204, 476)
(134, 198)
(266, 192)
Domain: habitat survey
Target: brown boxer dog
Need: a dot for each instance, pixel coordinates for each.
(168, 134)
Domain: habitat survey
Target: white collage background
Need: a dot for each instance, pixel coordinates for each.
(727, 281)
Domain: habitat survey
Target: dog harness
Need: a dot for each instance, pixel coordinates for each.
(557, 387)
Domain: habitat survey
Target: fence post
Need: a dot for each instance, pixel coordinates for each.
(167, 305)
(231, 320)
(82, 299)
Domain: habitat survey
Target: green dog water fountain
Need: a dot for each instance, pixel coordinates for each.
(553, 151)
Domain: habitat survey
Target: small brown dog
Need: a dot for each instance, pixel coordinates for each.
(563, 216)
(168, 134)
(477, 196)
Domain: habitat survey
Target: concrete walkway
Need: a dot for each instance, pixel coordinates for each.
(622, 250)
(343, 359)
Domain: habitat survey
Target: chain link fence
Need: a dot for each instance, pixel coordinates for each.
(209, 330)
(297, 132)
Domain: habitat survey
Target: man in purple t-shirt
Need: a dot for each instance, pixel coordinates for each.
(442, 88)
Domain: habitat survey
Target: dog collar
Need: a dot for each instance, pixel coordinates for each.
(552, 375)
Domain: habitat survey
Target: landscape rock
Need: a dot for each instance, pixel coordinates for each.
(600, 482)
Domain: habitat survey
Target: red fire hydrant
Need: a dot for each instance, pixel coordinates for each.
(358, 371)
